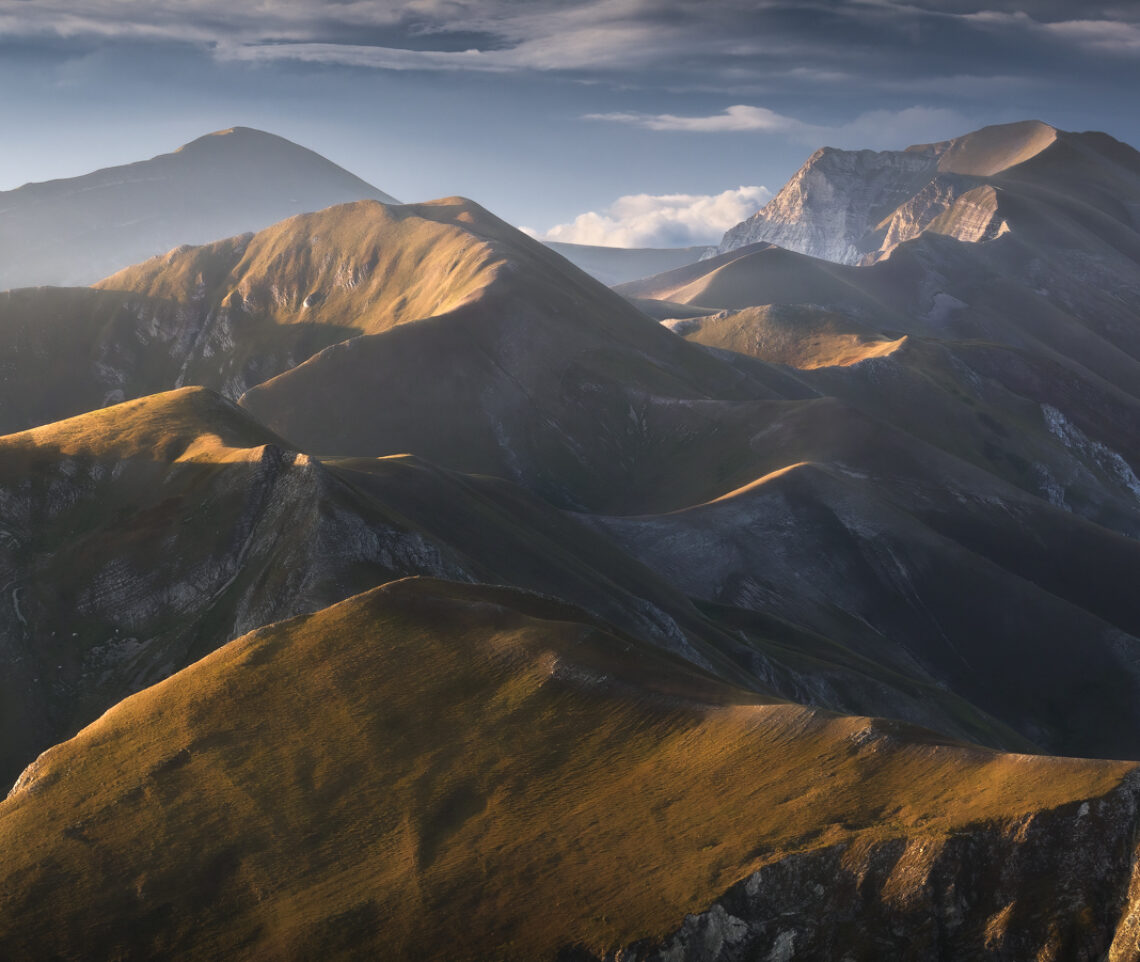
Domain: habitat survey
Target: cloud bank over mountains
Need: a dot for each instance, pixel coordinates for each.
(662, 220)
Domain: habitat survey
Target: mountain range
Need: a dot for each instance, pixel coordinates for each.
(380, 583)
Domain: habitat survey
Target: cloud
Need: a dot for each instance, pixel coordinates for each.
(360, 55)
(663, 220)
(891, 129)
(1098, 36)
(722, 45)
(732, 119)
(1094, 36)
(382, 34)
(876, 128)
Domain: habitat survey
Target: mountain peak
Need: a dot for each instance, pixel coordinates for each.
(855, 206)
(238, 136)
(990, 150)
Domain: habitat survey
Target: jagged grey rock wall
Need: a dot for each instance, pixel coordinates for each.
(834, 200)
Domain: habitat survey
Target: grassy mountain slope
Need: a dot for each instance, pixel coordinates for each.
(890, 560)
(234, 313)
(540, 376)
(907, 490)
(991, 150)
(802, 336)
(433, 770)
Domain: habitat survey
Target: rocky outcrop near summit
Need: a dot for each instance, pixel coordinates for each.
(833, 202)
(853, 207)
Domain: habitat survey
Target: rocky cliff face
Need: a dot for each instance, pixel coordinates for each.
(835, 199)
(855, 207)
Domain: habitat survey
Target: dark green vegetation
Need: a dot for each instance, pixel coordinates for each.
(658, 584)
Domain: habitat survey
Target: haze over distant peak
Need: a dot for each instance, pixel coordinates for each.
(77, 230)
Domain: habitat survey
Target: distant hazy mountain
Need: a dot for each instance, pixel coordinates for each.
(77, 230)
(616, 265)
(853, 206)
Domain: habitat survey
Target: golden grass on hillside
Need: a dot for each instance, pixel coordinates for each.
(444, 771)
(188, 424)
(367, 265)
(801, 336)
(991, 150)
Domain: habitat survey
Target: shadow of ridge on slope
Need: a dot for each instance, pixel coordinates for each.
(884, 568)
(508, 387)
(408, 740)
(143, 536)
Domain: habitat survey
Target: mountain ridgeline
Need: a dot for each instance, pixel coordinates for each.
(381, 584)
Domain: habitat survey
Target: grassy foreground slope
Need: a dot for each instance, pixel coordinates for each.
(443, 771)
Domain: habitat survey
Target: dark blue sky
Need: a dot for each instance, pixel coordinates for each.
(547, 109)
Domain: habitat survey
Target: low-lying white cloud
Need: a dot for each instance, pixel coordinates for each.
(662, 220)
(877, 128)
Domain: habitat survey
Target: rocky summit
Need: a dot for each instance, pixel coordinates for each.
(855, 207)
